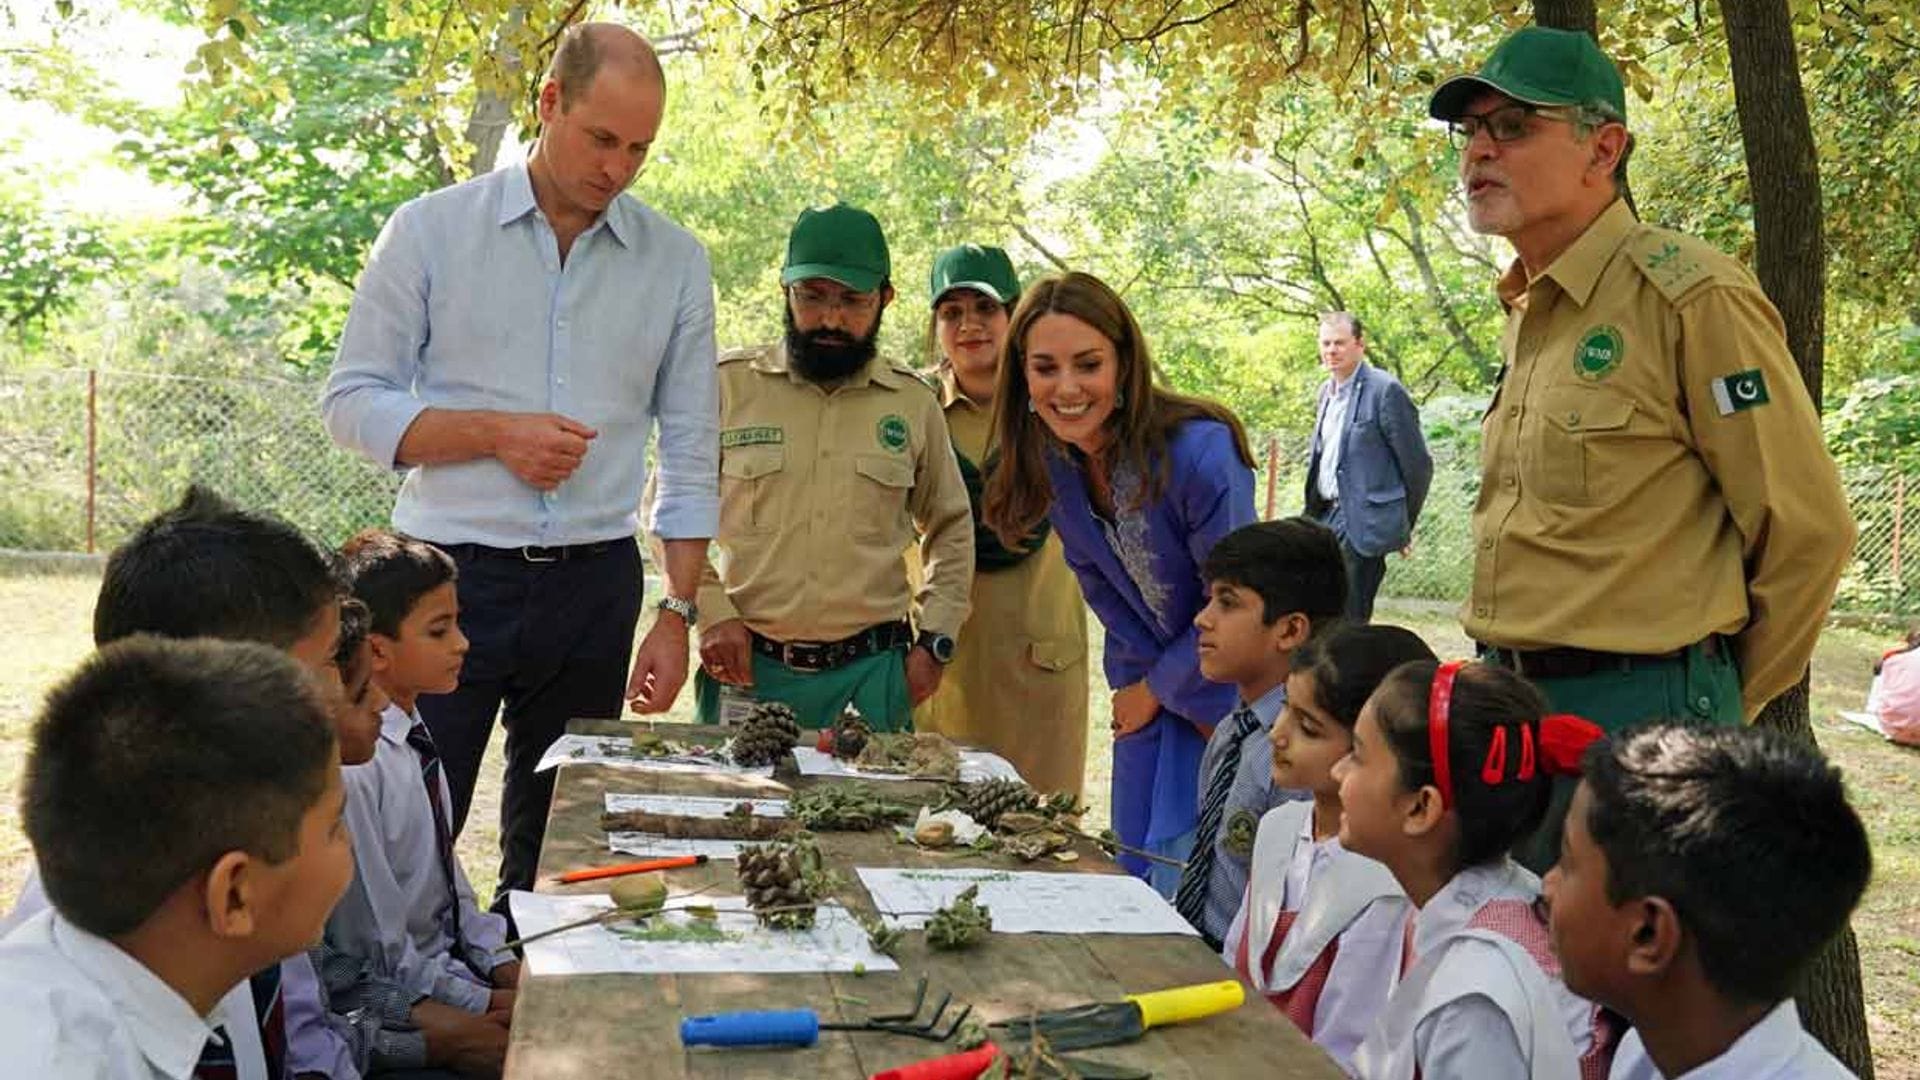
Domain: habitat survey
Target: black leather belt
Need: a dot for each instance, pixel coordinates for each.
(1568, 662)
(534, 553)
(827, 655)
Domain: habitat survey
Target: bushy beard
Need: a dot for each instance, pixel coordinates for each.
(824, 356)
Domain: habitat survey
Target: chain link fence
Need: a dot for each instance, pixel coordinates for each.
(86, 455)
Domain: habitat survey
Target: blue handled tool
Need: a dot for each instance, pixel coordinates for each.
(802, 1027)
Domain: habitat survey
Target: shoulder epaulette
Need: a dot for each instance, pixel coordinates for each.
(751, 352)
(1677, 263)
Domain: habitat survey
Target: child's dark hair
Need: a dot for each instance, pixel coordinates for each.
(1294, 564)
(157, 757)
(1746, 832)
(1485, 700)
(208, 569)
(391, 572)
(354, 624)
(1346, 665)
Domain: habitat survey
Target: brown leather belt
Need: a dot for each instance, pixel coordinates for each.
(827, 655)
(1568, 662)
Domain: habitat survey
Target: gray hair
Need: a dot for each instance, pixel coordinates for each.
(1353, 323)
(1590, 117)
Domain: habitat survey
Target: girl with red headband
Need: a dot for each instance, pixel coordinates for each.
(1452, 764)
(1319, 932)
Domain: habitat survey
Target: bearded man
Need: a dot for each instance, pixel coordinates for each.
(833, 460)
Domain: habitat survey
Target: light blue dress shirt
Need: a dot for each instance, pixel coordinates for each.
(465, 304)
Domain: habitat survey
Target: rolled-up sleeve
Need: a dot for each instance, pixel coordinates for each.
(686, 404)
(369, 403)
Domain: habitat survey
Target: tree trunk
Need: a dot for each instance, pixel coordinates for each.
(486, 126)
(1783, 174)
(1566, 14)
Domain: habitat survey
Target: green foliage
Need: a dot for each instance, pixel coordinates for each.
(48, 255)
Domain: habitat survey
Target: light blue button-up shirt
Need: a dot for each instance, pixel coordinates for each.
(465, 304)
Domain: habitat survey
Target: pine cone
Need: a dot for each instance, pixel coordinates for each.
(767, 735)
(849, 735)
(986, 801)
(773, 876)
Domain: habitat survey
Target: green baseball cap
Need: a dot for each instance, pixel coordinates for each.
(974, 266)
(842, 243)
(1538, 66)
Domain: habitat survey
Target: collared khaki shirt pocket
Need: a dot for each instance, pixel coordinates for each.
(1576, 444)
(1055, 656)
(748, 475)
(878, 501)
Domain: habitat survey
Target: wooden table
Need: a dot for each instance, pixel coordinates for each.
(600, 1027)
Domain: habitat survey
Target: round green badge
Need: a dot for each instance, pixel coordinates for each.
(892, 432)
(1599, 353)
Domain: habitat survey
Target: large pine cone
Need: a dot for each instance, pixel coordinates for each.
(773, 877)
(766, 736)
(984, 802)
(850, 735)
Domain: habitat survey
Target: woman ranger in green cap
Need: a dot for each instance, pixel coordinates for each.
(1018, 681)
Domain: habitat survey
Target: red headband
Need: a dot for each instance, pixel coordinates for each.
(1564, 738)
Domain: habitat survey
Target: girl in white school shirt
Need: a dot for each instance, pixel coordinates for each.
(1451, 764)
(1319, 933)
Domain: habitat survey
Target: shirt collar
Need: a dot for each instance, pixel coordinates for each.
(1267, 706)
(162, 1023)
(517, 201)
(395, 722)
(948, 388)
(1449, 910)
(1341, 389)
(1577, 271)
(1759, 1051)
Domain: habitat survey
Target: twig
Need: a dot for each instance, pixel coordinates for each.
(604, 916)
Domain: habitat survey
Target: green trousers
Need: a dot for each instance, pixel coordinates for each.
(1694, 688)
(876, 685)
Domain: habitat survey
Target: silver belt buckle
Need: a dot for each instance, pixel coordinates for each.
(526, 552)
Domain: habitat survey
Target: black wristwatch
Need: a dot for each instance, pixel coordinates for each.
(939, 645)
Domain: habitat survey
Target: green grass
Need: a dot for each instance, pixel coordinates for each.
(48, 618)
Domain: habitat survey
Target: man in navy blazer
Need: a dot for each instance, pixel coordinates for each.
(1369, 470)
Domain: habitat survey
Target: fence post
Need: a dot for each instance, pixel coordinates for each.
(93, 445)
(1899, 514)
(1273, 471)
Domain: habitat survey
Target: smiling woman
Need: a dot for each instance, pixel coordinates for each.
(1139, 483)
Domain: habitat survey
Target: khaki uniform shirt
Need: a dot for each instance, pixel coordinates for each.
(1652, 466)
(1018, 681)
(820, 491)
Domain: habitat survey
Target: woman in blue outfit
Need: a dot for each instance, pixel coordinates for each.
(1138, 482)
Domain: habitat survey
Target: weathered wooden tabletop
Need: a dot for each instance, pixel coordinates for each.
(603, 1027)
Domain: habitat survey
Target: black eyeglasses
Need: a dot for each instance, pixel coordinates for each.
(1504, 124)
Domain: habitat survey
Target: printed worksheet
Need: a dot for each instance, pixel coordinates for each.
(975, 766)
(651, 845)
(617, 750)
(695, 934)
(1027, 902)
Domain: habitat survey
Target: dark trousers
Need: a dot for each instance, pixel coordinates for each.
(549, 641)
(1364, 572)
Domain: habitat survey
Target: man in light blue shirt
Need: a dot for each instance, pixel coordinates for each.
(511, 345)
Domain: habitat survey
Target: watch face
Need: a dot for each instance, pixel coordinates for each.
(941, 647)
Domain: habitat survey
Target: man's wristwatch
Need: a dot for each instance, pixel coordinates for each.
(937, 644)
(683, 608)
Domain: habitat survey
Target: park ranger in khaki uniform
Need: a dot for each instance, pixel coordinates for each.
(832, 460)
(1659, 529)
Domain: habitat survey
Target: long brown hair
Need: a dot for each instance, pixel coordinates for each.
(1019, 492)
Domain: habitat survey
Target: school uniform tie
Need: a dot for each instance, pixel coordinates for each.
(216, 1058)
(1190, 899)
(421, 740)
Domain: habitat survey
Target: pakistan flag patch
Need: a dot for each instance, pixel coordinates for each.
(1739, 391)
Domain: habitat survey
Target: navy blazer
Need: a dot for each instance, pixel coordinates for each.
(1384, 468)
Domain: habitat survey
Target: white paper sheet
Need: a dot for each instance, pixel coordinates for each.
(975, 766)
(652, 845)
(617, 750)
(738, 943)
(1028, 902)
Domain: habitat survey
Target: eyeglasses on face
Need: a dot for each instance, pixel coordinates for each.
(1504, 124)
(811, 300)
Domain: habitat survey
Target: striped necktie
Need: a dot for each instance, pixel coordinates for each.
(1191, 897)
(216, 1058)
(421, 740)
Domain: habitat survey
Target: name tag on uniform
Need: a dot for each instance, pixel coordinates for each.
(751, 436)
(1739, 391)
